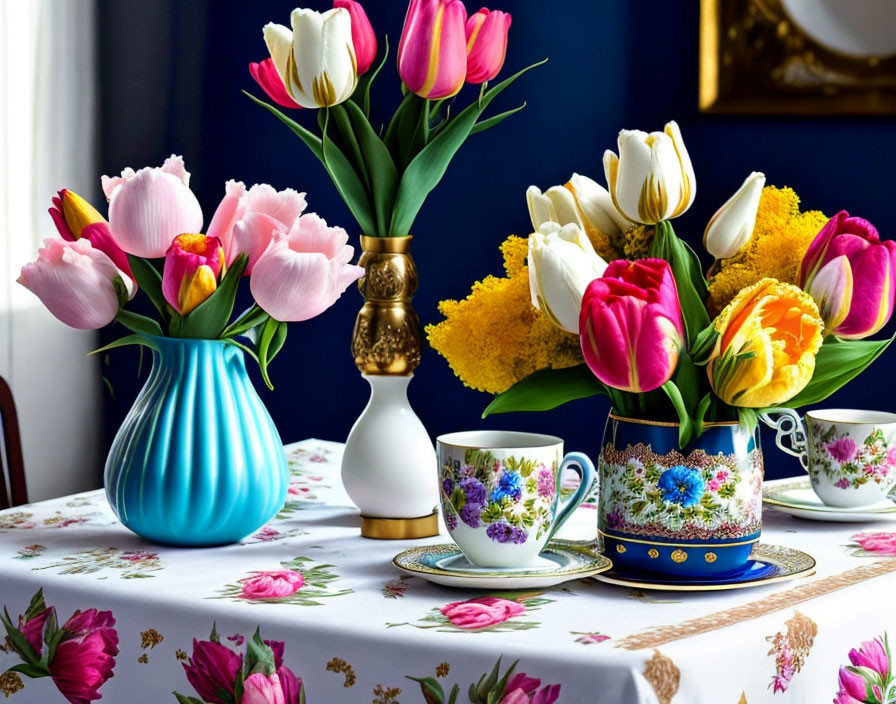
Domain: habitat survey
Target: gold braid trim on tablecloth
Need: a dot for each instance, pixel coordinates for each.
(721, 619)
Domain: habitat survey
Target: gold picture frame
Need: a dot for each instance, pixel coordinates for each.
(755, 59)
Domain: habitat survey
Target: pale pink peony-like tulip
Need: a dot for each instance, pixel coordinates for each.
(262, 689)
(481, 612)
(363, 36)
(432, 53)
(304, 272)
(85, 657)
(272, 584)
(630, 325)
(851, 273)
(150, 207)
(265, 75)
(77, 283)
(212, 670)
(247, 220)
(486, 33)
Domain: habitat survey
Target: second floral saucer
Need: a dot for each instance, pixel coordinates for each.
(560, 561)
(767, 564)
(795, 496)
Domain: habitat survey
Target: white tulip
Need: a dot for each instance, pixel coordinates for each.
(581, 202)
(652, 179)
(562, 263)
(316, 60)
(729, 230)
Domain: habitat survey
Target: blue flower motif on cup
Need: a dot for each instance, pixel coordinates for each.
(682, 485)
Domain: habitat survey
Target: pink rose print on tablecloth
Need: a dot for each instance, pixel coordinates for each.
(274, 584)
(216, 673)
(874, 543)
(84, 656)
(481, 612)
(867, 679)
(589, 638)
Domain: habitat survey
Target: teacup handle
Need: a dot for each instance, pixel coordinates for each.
(582, 466)
(788, 426)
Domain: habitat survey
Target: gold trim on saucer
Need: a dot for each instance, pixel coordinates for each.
(804, 483)
(661, 544)
(400, 528)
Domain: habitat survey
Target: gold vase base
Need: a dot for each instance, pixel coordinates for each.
(400, 528)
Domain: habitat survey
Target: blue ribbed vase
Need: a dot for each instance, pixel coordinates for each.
(198, 460)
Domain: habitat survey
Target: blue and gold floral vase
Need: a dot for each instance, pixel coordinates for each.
(692, 512)
(198, 460)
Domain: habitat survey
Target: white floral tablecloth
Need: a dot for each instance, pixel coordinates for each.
(341, 618)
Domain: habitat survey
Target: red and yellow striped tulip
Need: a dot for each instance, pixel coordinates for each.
(193, 266)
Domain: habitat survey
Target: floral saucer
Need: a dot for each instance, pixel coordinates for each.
(767, 564)
(795, 496)
(559, 562)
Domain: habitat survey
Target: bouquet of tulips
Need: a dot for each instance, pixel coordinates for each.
(296, 265)
(326, 62)
(655, 335)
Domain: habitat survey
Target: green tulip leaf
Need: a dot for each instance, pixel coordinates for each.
(186, 700)
(208, 320)
(703, 345)
(338, 167)
(688, 275)
(139, 323)
(700, 415)
(383, 175)
(427, 168)
(149, 280)
(492, 121)
(748, 419)
(547, 389)
(837, 363)
(128, 340)
(248, 319)
(431, 689)
(686, 426)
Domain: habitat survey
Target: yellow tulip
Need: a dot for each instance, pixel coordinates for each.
(768, 338)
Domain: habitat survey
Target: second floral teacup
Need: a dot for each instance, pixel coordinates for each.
(500, 493)
(850, 455)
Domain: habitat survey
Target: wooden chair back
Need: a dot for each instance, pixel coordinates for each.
(13, 491)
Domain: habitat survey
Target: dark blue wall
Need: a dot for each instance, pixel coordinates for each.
(172, 74)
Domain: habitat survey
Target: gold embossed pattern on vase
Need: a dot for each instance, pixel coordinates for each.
(387, 339)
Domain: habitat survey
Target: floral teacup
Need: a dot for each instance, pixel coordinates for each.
(500, 493)
(850, 455)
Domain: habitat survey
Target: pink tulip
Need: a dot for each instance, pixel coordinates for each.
(486, 33)
(853, 683)
(873, 655)
(75, 218)
(262, 689)
(289, 683)
(265, 75)
(246, 221)
(432, 53)
(85, 657)
(193, 266)
(631, 327)
(33, 629)
(481, 612)
(522, 689)
(212, 670)
(79, 284)
(150, 207)
(363, 36)
(877, 541)
(843, 697)
(304, 272)
(272, 584)
(857, 302)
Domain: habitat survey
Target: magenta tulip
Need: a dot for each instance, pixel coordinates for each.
(843, 697)
(33, 629)
(631, 327)
(853, 683)
(265, 75)
(290, 684)
(262, 689)
(75, 218)
(304, 272)
(193, 266)
(212, 670)
(85, 657)
(432, 53)
(79, 284)
(486, 33)
(150, 207)
(363, 36)
(872, 655)
(858, 302)
(246, 221)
